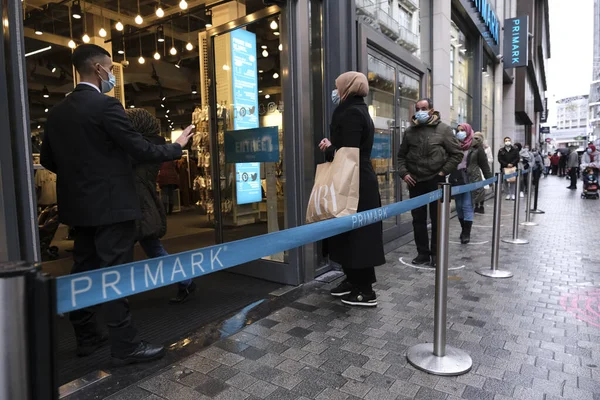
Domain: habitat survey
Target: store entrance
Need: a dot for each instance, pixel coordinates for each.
(392, 96)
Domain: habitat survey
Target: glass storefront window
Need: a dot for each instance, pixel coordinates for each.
(461, 73)
(487, 100)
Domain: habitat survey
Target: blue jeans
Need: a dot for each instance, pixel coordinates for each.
(154, 248)
(464, 206)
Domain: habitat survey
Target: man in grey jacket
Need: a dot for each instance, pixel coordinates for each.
(572, 166)
(428, 153)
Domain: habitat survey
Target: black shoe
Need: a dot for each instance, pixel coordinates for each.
(86, 348)
(433, 263)
(465, 236)
(360, 299)
(343, 289)
(183, 293)
(479, 210)
(421, 259)
(572, 188)
(144, 352)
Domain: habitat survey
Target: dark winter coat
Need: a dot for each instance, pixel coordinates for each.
(153, 223)
(510, 156)
(428, 149)
(478, 163)
(168, 174)
(352, 126)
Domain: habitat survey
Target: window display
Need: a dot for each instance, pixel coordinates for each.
(461, 74)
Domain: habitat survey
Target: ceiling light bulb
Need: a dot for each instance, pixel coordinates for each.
(72, 44)
(263, 47)
(194, 89)
(141, 60)
(183, 4)
(121, 51)
(102, 32)
(225, 67)
(276, 33)
(157, 56)
(132, 106)
(189, 46)
(38, 29)
(280, 47)
(45, 93)
(173, 51)
(265, 53)
(275, 75)
(85, 38)
(139, 20)
(119, 26)
(39, 127)
(267, 96)
(274, 25)
(260, 71)
(160, 12)
(46, 109)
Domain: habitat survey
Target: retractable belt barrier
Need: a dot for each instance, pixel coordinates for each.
(90, 288)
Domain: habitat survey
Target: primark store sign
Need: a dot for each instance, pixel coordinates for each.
(490, 19)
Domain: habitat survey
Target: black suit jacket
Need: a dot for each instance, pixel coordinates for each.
(91, 146)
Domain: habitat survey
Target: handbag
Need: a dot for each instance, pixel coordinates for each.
(458, 177)
(508, 171)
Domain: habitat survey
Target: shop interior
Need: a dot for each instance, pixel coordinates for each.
(164, 59)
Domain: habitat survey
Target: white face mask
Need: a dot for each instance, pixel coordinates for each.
(335, 97)
(107, 85)
(507, 144)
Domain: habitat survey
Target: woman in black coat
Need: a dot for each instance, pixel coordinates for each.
(359, 250)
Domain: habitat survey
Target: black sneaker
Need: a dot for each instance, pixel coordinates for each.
(360, 299)
(343, 289)
(183, 293)
(433, 263)
(86, 348)
(421, 259)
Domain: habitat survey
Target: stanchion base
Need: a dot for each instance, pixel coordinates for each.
(529, 223)
(455, 362)
(538, 211)
(495, 273)
(516, 241)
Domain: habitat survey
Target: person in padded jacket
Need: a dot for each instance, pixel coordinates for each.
(509, 157)
(428, 153)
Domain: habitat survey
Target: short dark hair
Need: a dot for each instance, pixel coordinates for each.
(428, 100)
(508, 137)
(84, 56)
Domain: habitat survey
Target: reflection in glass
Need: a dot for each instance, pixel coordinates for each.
(461, 64)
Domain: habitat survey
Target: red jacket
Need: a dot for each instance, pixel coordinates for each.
(168, 174)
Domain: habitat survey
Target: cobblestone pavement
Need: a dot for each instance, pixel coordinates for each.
(534, 336)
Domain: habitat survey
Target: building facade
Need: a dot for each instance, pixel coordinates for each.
(572, 126)
(594, 98)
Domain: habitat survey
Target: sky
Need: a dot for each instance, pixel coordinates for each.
(572, 50)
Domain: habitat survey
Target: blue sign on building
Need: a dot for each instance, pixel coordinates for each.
(382, 146)
(244, 79)
(252, 145)
(516, 43)
(489, 17)
(248, 184)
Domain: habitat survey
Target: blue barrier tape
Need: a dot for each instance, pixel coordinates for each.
(456, 190)
(87, 289)
(508, 176)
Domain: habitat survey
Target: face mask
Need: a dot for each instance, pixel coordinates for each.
(461, 135)
(527, 148)
(422, 116)
(107, 85)
(589, 151)
(335, 97)
(507, 144)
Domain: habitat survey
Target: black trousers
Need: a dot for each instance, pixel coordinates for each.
(420, 217)
(573, 177)
(363, 278)
(100, 247)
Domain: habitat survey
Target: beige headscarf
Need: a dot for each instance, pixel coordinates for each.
(351, 84)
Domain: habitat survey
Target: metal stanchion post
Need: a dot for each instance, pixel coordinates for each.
(515, 236)
(494, 272)
(536, 210)
(437, 358)
(528, 221)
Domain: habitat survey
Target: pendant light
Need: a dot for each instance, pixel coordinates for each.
(275, 75)
(119, 24)
(183, 4)
(38, 28)
(274, 25)
(138, 19)
(159, 11)
(160, 34)
(102, 32)
(194, 89)
(265, 53)
(156, 54)
(189, 46)
(45, 92)
(76, 10)
(208, 18)
(141, 60)
(173, 50)
(85, 37)
(71, 43)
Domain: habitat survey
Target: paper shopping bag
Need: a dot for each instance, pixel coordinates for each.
(508, 171)
(335, 193)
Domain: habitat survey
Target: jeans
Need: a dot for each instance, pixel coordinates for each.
(153, 249)
(464, 206)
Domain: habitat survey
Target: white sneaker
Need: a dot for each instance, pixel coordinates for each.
(508, 197)
(512, 197)
(521, 195)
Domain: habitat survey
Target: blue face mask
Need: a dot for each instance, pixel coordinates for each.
(107, 85)
(589, 151)
(335, 97)
(422, 116)
(461, 135)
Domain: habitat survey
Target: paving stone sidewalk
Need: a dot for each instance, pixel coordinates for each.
(534, 336)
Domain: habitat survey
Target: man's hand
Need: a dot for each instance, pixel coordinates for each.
(410, 181)
(510, 166)
(185, 136)
(442, 174)
(324, 144)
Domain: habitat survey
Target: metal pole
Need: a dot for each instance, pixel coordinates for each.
(528, 202)
(437, 358)
(535, 201)
(515, 237)
(494, 272)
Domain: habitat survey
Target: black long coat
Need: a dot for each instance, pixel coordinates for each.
(352, 126)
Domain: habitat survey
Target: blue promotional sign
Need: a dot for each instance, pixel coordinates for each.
(382, 146)
(247, 183)
(487, 14)
(516, 43)
(244, 79)
(252, 145)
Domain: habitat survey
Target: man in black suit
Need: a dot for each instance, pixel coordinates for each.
(90, 145)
